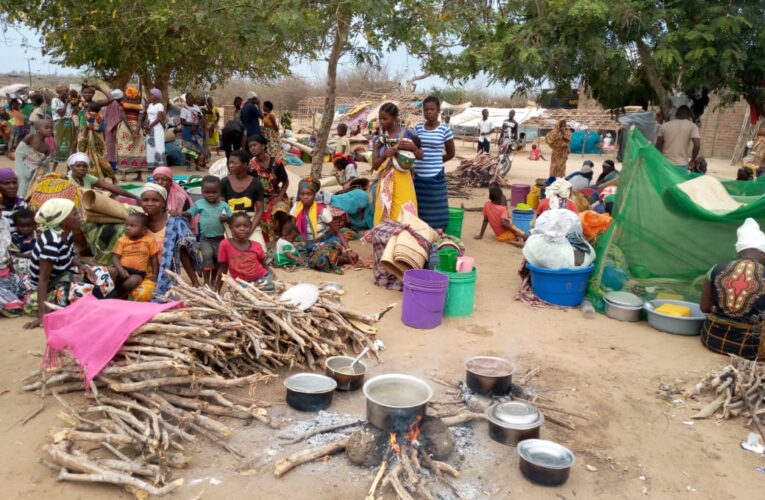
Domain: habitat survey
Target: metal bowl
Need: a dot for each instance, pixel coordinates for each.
(678, 325)
(623, 306)
(405, 161)
(513, 421)
(394, 400)
(489, 375)
(309, 391)
(545, 462)
(338, 367)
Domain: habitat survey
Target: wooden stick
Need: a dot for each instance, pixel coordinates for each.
(322, 430)
(284, 465)
(462, 418)
(378, 477)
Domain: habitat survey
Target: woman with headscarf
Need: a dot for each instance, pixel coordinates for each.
(557, 195)
(558, 139)
(326, 246)
(608, 177)
(155, 131)
(178, 200)
(64, 130)
(734, 298)
(10, 201)
(79, 164)
(131, 147)
(114, 116)
(273, 177)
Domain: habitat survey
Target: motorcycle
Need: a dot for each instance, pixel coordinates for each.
(505, 157)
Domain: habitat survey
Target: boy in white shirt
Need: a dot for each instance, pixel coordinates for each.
(485, 129)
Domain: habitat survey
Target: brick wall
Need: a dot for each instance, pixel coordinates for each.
(228, 112)
(720, 128)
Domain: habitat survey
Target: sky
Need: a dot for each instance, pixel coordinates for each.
(18, 56)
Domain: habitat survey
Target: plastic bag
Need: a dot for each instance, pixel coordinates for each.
(594, 224)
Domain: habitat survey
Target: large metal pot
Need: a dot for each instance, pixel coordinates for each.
(395, 400)
(513, 421)
(545, 462)
(489, 375)
(623, 306)
(338, 367)
(309, 391)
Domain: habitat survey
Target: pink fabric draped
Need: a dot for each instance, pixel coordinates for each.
(176, 196)
(94, 330)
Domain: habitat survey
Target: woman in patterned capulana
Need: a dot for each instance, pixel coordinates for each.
(734, 298)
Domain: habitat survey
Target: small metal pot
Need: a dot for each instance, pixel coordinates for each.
(545, 462)
(623, 306)
(346, 381)
(513, 421)
(309, 391)
(394, 401)
(489, 375)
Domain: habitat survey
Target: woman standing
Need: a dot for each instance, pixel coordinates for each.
(63, 126)
(114, 116)
(273, 177)
(212, 117)
(155, 131)
(243, 193)
(734, 298)
(558, 139)
(191, 139)
(271, 130)
(131, 147)
(393, 189)
(437, 142)
(90, 139)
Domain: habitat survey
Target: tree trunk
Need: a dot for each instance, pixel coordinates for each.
(653, 76)
(341, 36)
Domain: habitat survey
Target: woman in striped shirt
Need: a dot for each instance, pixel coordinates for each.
(429, 178)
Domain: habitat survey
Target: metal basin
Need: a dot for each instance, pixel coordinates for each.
(338, 367)
(545, 462)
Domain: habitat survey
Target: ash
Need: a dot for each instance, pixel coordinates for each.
(465, 442)
(322, 419)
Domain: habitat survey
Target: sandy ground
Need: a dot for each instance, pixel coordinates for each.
(637, 441)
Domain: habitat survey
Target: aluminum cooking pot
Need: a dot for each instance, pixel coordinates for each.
(394, 401)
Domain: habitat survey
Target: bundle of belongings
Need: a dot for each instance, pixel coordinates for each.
(556, 242)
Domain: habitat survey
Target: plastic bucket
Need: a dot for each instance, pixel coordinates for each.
(562, 287)
(522, 220)
(447, 259)
(424, 295)
(454, 228)
(461, 294)
(518, 193)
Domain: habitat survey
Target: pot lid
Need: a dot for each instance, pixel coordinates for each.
(514, 414)
(624, 299)
(310, 383)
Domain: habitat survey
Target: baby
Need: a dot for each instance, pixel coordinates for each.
(286, 253)
(25, 231)
(134, 257)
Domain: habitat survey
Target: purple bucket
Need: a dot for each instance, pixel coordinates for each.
(424, 297)
(518, 193)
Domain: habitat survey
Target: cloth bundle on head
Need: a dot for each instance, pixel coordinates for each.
(560, 189)
(586, 168)
(78, 158)
(52, 213)
(117, 94)
(7, 174)
(156, 93)
(251, 95)
(150, 186)
(750, 236)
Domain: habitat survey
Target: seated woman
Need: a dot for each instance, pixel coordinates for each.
(734, 298)
(609, 176)
(13, 288)
(326, 246)
(581, 179)
(243, 193)
(178, 200)
(270, 171)
(79, 164)
(558, 195)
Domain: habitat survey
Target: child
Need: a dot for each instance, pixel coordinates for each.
(213, 212)
(286, 253)
(345, 169)
(522, 141)
(93, 117)
(25, 232)
(344, 144)
(495, 213)
(536, 153)
(135, 255)
(18, 124)
(32, 155)
(240, 257)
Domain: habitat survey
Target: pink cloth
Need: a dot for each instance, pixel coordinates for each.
(94, 330)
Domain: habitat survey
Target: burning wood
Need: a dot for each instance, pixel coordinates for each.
(164, 387)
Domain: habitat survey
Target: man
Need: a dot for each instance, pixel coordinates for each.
(250, 116)
(447, 121)
(485, 128)
(509, 128)
(679, 139)
(232, 135)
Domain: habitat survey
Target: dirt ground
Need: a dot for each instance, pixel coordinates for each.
(637, 442)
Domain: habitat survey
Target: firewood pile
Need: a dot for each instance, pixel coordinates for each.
(164, 388)
(740, 392)
(480, 171)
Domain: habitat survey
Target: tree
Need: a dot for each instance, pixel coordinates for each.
(626, 52)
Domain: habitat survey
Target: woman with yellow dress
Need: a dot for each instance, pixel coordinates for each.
(212, 117)
(393, 189)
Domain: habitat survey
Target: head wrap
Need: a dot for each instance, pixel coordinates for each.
(586, 168)
(165, 171)
(251, 95)
(156, 93)
(131, 92)
(609, 163)
(7, 174)
(750, 236)
(557, 191)
(78, 158)
(117, 94)
(150, 186)
(52, 213)
(309, 183)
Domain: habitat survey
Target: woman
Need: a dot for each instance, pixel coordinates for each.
(271, 130)
(63, 126)
(13, 288)
(114, 117)
(191, 139)
(244, 193)
(90, 138)
(272, 175)
(173, 234)
(608, 177)
(437, 144)
(131, 147)
(212, 117)
(393, 189)
(10, 201)
(79, 164)
(558, 195)
(558, 139)
(155, 131)
(327, 248)
(32, 157)
(178, 200)
(581, 179)
(734, 298)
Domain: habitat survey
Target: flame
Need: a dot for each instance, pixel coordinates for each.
(394, 443)
(413, 433)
